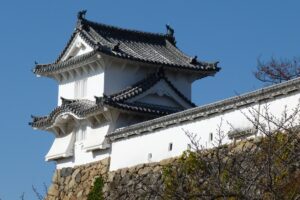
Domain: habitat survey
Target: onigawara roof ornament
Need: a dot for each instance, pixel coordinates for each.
(170, 30)
(81, 14)
(194, 60)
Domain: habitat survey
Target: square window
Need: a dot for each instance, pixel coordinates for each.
(149, 156)
(170, 146)
(211, 137)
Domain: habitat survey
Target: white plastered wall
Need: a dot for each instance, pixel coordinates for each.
(81, 155)
(136, 149)
(94, 86)
(182, 82)
(118, 76)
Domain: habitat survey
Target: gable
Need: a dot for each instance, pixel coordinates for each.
(157, 99)
(77, 47)
(163, 94)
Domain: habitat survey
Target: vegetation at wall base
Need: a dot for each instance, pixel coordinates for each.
(96, 192)
(264, 169)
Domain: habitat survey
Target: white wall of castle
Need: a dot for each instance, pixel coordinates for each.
(154, 146)
(94, 136)
(94, 86)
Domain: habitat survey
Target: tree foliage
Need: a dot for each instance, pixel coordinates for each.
(276, 70)
(264, 167)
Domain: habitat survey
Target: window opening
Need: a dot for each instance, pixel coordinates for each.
(149, 156)
(170, 146)
(211, 137)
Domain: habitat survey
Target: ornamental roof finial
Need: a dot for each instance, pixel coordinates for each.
(81, 14)
(170, 30)
(116, 47)
(100, 100)
(194, 60)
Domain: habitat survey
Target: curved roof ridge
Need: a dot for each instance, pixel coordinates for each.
(84, 107)
(116, 28)
(77, 107)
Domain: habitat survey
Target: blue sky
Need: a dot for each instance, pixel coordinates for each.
(233, 32)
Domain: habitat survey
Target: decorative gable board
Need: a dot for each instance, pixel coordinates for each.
(161, 94)
(78, 47)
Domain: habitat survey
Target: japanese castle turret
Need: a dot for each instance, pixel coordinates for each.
(110, 78)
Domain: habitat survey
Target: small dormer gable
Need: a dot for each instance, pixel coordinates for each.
(76, 48)
(163, 94)
(154, 90)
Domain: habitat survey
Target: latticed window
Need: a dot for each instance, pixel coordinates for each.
(80, 88)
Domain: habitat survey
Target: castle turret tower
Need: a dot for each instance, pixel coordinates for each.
(110, 77)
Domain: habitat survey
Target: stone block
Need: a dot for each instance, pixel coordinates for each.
(64, 172)
(53, 190)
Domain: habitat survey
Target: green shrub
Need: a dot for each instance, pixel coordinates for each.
(96, 192)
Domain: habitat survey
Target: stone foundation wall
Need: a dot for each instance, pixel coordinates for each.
(75, 183)
(239, 162)
(128, 183)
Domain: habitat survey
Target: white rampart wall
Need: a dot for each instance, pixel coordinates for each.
(154, 146)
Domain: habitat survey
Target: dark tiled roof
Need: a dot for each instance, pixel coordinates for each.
(83, 108)
(152, 48)
(44, 69)
(150, 109)
(80, 108)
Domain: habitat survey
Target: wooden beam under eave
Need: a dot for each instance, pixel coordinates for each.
(81, 70)
(100, 63)
(91, 67)
(91, 120)
(70, 73)
(85, 68)
(56, 130)
(64, 75)
(62, 129)
(57, 77)
(98, 118)
(77, 72)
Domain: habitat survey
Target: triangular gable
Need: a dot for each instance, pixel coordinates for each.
(161, 93)
(76, 47)
(155, 89)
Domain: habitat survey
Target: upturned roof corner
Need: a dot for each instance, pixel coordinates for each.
(138, 46)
